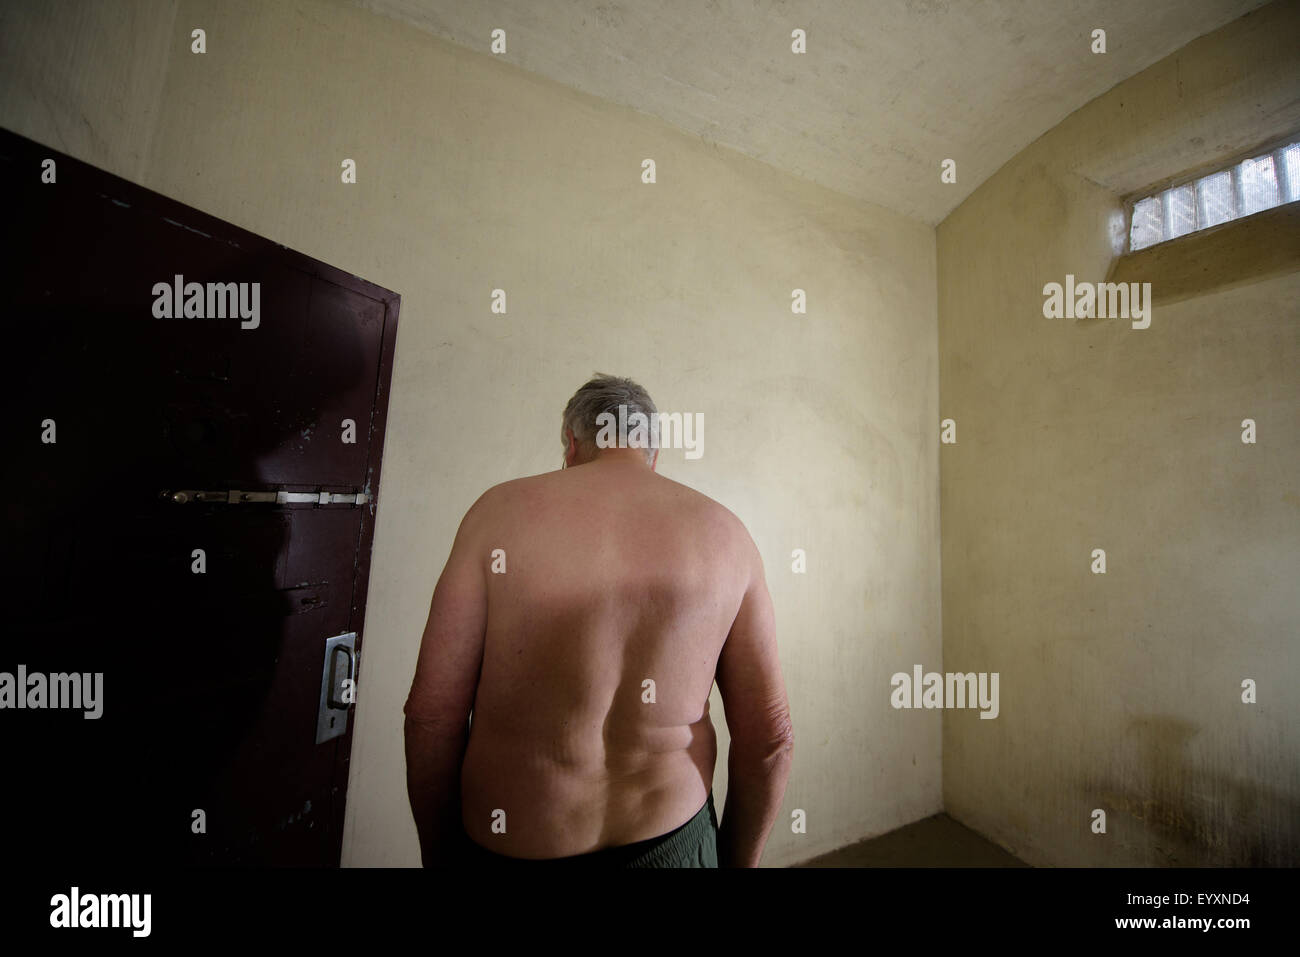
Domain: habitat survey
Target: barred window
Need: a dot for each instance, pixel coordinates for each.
(1247, 187)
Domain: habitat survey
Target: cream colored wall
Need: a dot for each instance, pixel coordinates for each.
(1123, 691)
(820, 430)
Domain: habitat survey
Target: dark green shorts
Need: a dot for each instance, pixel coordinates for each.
(694, 844)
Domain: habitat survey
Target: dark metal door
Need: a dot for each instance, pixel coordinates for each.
(126, 552)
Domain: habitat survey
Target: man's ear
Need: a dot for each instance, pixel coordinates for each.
(571, 451)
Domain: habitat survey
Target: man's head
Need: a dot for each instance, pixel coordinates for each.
(604, 394)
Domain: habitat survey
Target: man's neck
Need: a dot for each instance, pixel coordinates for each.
(634, 457)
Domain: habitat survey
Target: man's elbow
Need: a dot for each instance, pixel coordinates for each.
(423, 715)
(414, 713)
(779, 739)
(768, 751)
(781, 747)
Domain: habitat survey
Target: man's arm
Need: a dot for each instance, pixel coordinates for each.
(442, 694)
(758, 717)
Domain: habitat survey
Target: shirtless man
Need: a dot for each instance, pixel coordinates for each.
(609, 577)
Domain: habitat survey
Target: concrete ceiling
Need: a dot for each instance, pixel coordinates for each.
(887, 90)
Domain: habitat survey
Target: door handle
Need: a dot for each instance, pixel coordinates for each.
(340, 665)
(342, 668)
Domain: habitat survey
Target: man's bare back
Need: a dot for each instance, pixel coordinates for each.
(615, 577)
(584, 615)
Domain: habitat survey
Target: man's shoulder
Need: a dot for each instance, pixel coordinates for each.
(711, 513)
(504, 494)
(513, 488)
(519, 497)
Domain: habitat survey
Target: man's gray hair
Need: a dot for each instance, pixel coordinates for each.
(605, 393)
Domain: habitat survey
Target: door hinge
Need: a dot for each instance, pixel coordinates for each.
(236, 497)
